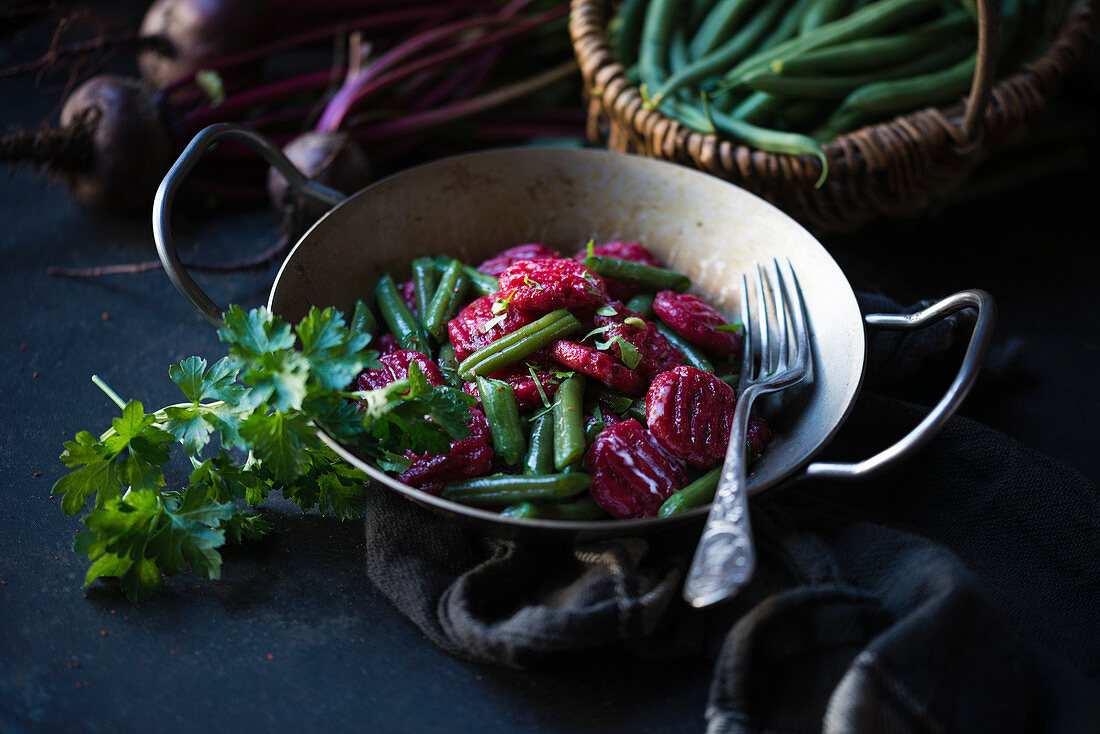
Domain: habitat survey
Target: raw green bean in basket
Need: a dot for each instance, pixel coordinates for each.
(540, 449)
(448, 296)
(723, 57)
(873, 19)
(502, 414)
(652, 50)
(869, 54)
(820, 13)
(402, 324)
(646, 276)
(696, 494)
(425, 280)
(724, 17)
(838, 86)
(631, 14)
(692, 355)
(521, 343)
(506, 489)
(569, 440)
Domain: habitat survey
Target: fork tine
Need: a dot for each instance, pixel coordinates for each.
(746, 329)
(775, 281)
(764, 322)
(798, 315)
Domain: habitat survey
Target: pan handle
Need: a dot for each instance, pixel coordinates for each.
(162, 204)
(949, 403)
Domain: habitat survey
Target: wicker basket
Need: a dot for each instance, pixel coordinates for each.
(892, 169)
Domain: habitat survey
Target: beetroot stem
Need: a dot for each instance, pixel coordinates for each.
(458, 110)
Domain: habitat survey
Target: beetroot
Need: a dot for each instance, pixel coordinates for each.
(467, 457)
(546, 285)
(690, 413)
(197, 33)
(601, 365)
(477, 326)
(653, 351)
(333, 159)
(694, 319)
(631, 474)
(531, 251)
(395, 366)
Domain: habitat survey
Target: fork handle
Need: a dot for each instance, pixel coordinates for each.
(948, 404)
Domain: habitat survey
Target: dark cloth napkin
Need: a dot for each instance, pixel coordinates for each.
(958, 592)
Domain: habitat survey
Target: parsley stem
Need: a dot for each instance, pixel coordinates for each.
(110, 393)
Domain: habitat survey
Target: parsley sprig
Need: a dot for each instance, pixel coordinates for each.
(248, 425)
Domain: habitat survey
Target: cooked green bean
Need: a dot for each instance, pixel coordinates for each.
(506, 489)
(592, 428)
(583, 508)
(732, 379)
(614, 401)
(646, 276)
(483, 284)
(444, 304)
(402, 324)
(521, 343)
(696, 494)
(540, 449)
(637, 411)
(498, 400)
(692, 355)
(642, 303)
(868, 54)
(523, 509)
(448, 365)
(425, 280)
(569, 443)
(363, 320)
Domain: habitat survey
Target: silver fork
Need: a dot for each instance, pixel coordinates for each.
(725, 558)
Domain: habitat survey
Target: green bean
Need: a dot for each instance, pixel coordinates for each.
(732, 379)
(569, 441)
(692, 355)
(652, 52)
(444, 304)
(696, 494)
(678, 51)
(642, 304)
(521, 343)
(698, 13)
(583, 508)
(614, 401)
(918, 91)
(875, 53)
(523, 509)
(498, 400)
(725, 55)
(875, 18)
(625, 41)
(820, 13)
(592, 428)
(425, 280)
(363, 320)
(838, 87)
(757, 107)
(726, 15)
(448, 365)
(483, 284)
(637, 411)
(540, 449)
(646, 276)
(506, 489)
(402, 324)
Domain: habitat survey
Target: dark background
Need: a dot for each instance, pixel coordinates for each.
(294, 634)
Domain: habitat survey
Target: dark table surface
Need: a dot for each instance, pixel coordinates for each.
(294, 635)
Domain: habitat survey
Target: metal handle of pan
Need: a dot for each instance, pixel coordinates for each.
(166, 193)
(948, 404)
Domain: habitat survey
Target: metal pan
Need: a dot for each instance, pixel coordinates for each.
(473, 206)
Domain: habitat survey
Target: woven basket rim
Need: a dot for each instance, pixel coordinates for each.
(1077, 28)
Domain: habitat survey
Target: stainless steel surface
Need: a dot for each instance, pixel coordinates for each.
(166, 194)
(475, 205)
(725, 557)
(951, 400)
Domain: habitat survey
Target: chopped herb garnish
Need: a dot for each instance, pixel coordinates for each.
(738, 327)
(634, 321)
(628, 353)
(607, 311)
